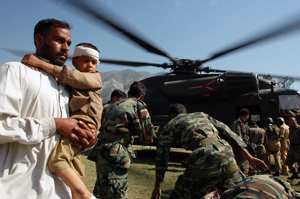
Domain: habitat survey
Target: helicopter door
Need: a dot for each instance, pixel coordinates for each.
(289, 105)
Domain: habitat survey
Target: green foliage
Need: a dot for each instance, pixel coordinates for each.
(283, 82)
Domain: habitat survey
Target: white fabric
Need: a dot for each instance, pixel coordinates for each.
(29, 100)
(81, 50)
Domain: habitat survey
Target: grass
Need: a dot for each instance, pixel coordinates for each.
(141, 176)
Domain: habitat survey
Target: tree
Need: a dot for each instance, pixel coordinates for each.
(283, 82)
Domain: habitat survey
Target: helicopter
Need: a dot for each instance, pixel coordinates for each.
(219, 93)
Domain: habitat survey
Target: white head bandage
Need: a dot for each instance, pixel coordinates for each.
(81, 50)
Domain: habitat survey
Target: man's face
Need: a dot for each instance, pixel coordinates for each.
(85, 63)
(292, 123)
(54, 45)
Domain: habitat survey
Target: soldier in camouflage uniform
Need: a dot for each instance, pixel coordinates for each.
(285, 143)
(294, 152)
(116, 95)
(121, 120)
(273, 145)
(257, 136)
(239, 127)
(212, 160)
(261, 186)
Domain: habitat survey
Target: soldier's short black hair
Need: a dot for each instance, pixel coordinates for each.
(44, 25)
(244, 111)
(177, 109)
(137, 89)
(118, 93)
(252, 123)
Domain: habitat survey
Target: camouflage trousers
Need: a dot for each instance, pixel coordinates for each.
(292, 157)
(194, 184)
(112, 164)
(260, 152)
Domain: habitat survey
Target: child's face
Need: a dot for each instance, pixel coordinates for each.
(85, 63)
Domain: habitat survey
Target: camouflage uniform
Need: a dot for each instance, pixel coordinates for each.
(261, 186)
(121, 120)
(285, 145)
(257, 136)
(294, 152)
(273, 146)
(239, 127)
(212, 160)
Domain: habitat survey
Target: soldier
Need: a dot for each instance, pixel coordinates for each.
(273, 145)
(211, 161)
(121, 120)
(257, 138)
(294, 151)
(116, 95)
(285, 143)
(261, 186)
(239, 127)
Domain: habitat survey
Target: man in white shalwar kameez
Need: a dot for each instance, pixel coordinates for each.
(34, 113)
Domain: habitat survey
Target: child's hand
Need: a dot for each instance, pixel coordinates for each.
(32, 67)
(31, 61)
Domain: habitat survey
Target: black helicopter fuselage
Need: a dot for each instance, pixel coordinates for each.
(219, 95)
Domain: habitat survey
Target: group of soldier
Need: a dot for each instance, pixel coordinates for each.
(277, 139)
(219, 160)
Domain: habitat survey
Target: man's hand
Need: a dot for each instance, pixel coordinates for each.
(253, 161)
(156, 193)
(87, 134)
(82, 135)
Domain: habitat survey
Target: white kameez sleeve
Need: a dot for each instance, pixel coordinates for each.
(13, 128)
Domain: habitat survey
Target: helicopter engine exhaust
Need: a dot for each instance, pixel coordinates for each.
(227, 85)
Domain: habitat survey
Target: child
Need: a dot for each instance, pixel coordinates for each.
(85, 104)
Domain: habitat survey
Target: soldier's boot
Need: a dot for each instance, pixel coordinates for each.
(294, 176)
(277, 173)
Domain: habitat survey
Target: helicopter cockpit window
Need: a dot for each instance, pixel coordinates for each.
(289, 104)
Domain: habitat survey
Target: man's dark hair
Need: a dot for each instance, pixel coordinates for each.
(136, 89)
(252, 123)
(292, 118)
(89, 45)
(44, 25)
(177, 109)
(244, 111)
(118, 93)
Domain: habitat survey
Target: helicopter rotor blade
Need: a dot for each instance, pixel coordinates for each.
(101, 14)
(21, 53)
(276, 32)
(130, 63)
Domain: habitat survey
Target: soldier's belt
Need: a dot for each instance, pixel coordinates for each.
(204, 142)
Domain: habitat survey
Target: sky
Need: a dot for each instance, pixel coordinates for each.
(186, 29)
